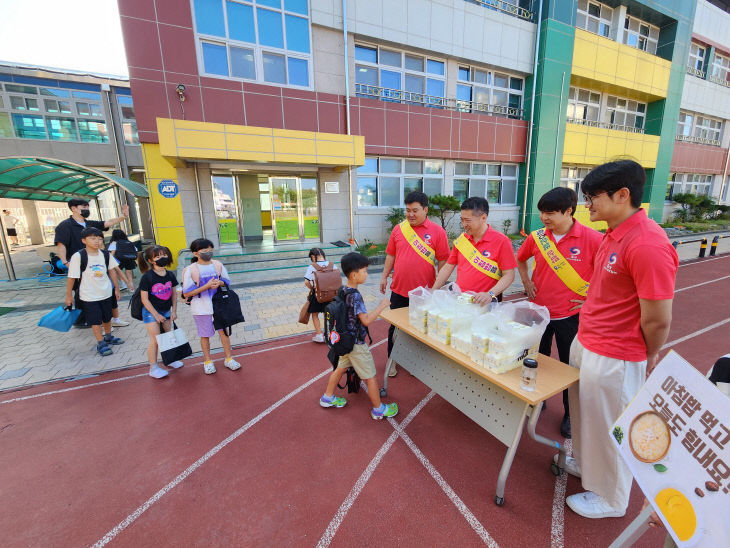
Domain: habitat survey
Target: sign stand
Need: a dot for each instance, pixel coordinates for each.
(634, 530)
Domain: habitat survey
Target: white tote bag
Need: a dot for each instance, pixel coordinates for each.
(173, 345)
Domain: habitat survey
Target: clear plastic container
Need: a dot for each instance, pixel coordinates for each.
(528, 382)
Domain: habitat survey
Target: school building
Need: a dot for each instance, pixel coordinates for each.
(307, 120)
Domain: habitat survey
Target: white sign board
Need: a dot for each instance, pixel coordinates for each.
(675, 438)
(331, 187)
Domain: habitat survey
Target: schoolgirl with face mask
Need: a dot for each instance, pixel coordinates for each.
(159, 301)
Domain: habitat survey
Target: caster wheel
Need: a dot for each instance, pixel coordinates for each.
(383, 392)
(499, 501)
(555, 469)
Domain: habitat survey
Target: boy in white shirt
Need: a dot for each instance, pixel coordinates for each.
(96, 285)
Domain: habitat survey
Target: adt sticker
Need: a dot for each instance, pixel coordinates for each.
(168, 188)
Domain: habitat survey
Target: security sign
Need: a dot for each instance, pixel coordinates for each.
(168, 188)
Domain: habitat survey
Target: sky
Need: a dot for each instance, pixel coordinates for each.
(80, 35)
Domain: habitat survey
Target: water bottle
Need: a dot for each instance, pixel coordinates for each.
(529, 375)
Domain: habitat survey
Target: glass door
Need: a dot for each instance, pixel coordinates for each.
(224, 200)
(285, 211)
(310, 209)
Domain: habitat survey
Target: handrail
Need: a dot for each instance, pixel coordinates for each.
(699, 140)
(695, 72)
(720, 81)
(505, 7)
(605, 125)
(401, 96)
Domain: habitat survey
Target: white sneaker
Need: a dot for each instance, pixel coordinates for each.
(156, 372)
(232, 364)
(318, 338)
(175, 365)
(571, 465)
(590, 505)
(209, 368)
(118, 322)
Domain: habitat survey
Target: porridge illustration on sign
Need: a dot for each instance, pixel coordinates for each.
(649, 437)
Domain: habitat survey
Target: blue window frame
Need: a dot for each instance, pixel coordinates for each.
(215, 59)
(271, 32)
(240, 22)
(297, 34)
(209, 17)
(29, 126)
(298, 72)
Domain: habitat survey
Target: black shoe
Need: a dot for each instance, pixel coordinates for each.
(565, 427)
(544, 405)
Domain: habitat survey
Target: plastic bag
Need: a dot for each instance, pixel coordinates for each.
(59, 319)
(441, 312)
(418, 301)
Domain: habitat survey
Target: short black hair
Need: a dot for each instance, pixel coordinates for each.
(613, 176)
(558, 199)
(118, 234)
(475, 203)
(316, 252)
(5, 211)
(73, 202)
(197, 245)
(353, 261)
(416, 196)
(91, 231)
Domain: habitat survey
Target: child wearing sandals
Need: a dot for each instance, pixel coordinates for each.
(159, 301)
(200, 282)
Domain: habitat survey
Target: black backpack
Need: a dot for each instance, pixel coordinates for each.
(226, 309)
(135, 305)
(125, 250)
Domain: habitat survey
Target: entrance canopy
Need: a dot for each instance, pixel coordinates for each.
(31, 178)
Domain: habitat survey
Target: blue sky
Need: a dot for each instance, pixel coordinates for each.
(82, 35)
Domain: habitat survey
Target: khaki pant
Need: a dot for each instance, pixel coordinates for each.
(361, 359)
(606, 387)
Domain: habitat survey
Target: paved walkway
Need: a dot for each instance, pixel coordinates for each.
(32, 354)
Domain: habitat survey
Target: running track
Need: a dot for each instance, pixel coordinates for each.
(248, 458)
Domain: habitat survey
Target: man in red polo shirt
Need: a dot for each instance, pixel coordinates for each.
(483, 257)
(415, 247)
(623, 325)
(563, 252)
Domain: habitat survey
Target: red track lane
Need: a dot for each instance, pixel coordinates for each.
(75, 464)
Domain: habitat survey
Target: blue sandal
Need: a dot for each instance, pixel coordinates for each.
(103, 348)
(109, 339)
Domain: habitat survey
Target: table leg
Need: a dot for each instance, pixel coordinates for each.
(388, 365)
(508, 458)
(558, 468)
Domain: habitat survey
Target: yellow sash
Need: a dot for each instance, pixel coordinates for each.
(421, 248)
(560, 264)
(475, 259)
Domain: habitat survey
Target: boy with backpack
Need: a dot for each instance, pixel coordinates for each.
(346, 323)
(91, 272)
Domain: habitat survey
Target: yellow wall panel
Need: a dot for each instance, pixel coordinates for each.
(201, 140)
(593, 146)
(608, 65)
(584, 217)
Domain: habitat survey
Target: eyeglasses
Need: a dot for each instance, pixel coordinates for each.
(588, 198)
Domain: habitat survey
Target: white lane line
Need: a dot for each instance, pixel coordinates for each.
(202, 460)
(701, 283)
(557, 526)
(463, 509)
(52, 392)
(695, 334)
(339, 516)
(703, 261)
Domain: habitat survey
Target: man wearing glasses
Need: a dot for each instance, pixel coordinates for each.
(484, 257)
(623, 325)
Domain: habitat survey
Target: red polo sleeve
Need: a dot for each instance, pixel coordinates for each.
(654, 270)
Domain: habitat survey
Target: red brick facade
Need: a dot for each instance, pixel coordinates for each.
(700, 159)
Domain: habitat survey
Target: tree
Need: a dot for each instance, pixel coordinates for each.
(395, 216)
(444, 208)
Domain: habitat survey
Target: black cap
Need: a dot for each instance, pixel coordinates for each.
(529, 362)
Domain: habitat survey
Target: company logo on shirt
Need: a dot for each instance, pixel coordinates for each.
(486, 253)
(162, 291)
(612, 259)
(574, 252)
(427, 238)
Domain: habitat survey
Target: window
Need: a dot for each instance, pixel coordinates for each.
(594, 17)
(624, 113)
(384, 182)
(684, 125)
(495, 182)
(689, 183)
(129, 122)
(583, 105)
(491, 91)
(571, 177)
(261, 40)
(721, 70)
(698, 128)
(51, 113)
(640, 35)
(696, 64)
(708, 129)
(401, 77)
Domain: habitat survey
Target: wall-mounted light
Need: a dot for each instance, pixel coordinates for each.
(180, 92)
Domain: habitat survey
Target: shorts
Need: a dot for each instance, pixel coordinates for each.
(361, 359)
(204, 323)
(12, 232)
(314, 305)
(98, 312)
(127, 264)
(147, 316)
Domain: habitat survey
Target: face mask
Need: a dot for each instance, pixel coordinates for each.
(205, 255)
(85, 213)
(162, 261)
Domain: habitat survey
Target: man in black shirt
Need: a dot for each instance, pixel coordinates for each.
(68, 234)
